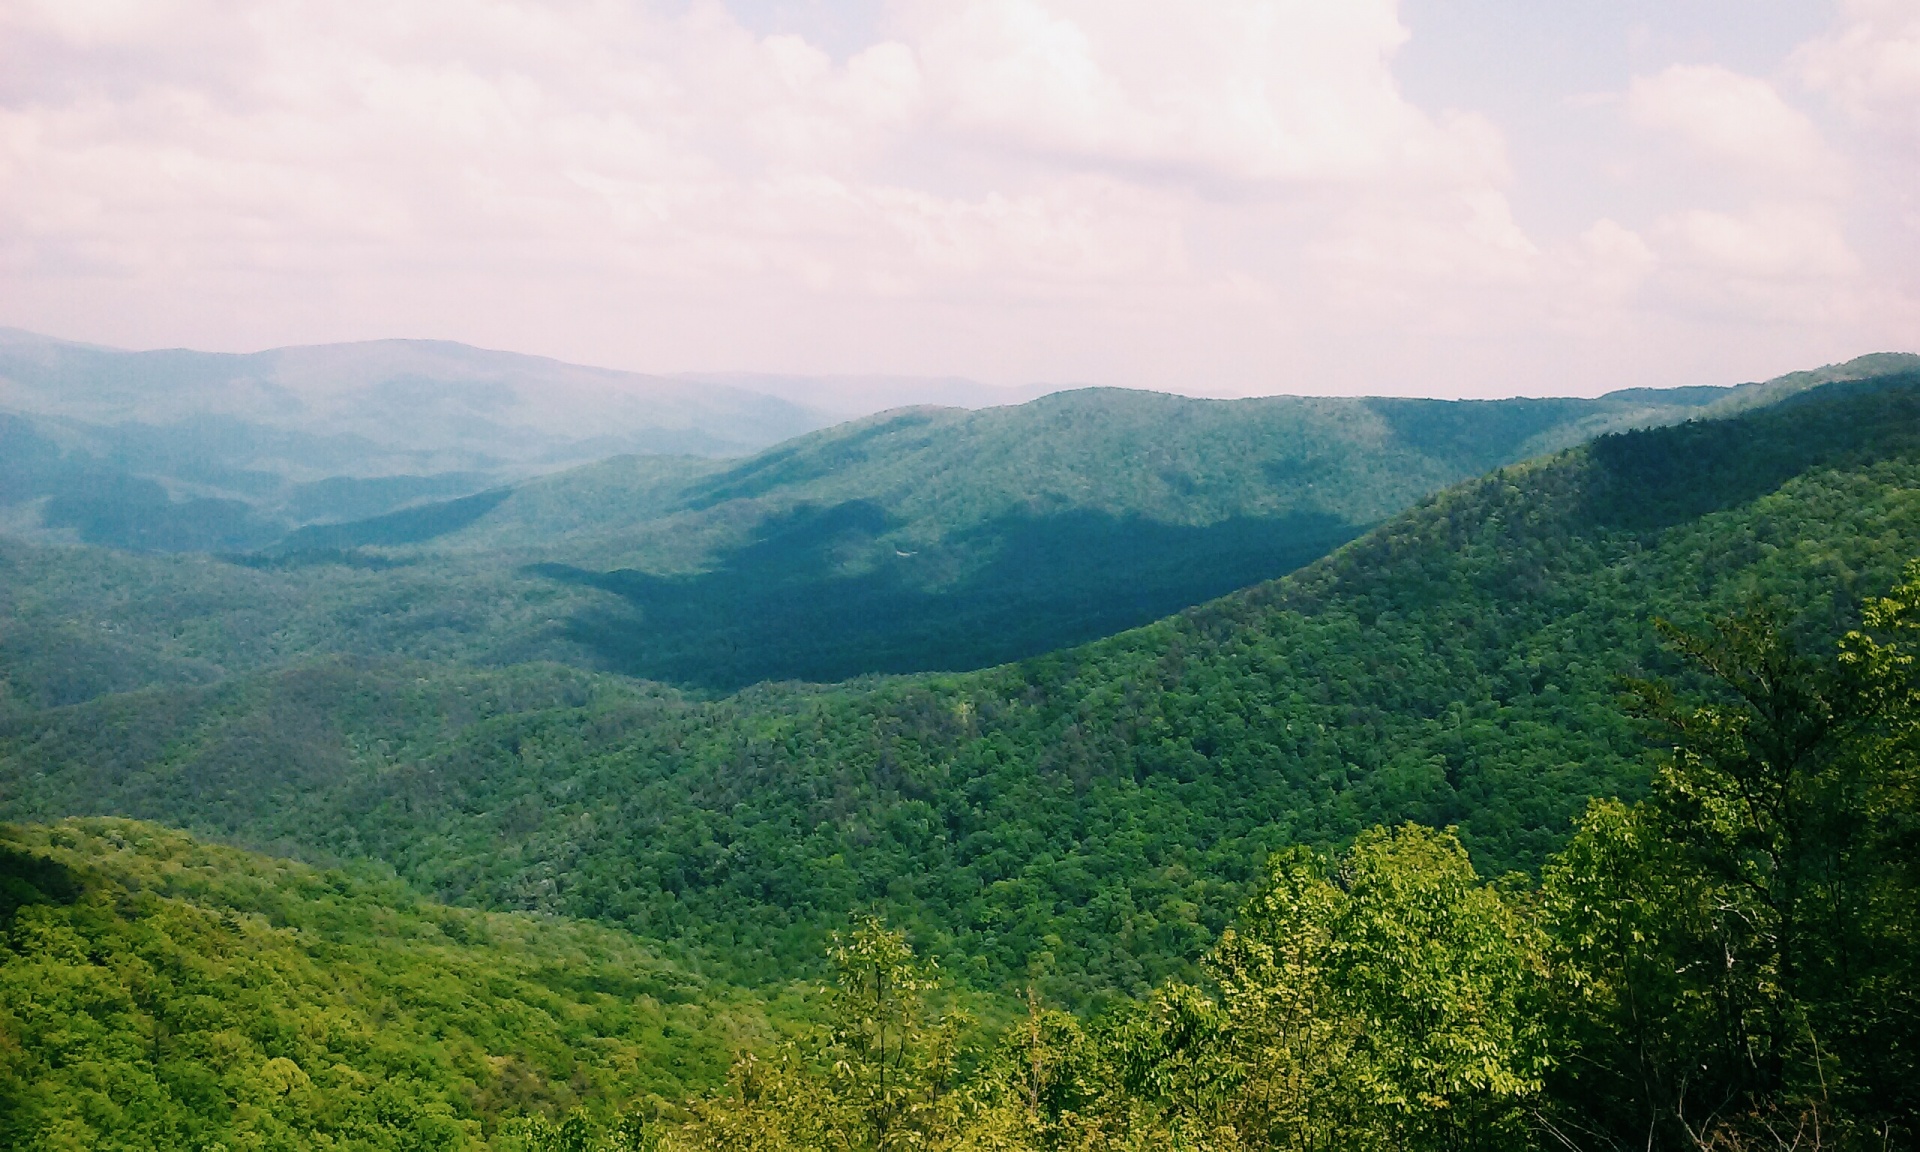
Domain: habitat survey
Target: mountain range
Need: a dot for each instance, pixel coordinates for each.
(1181, 753)
(911, 540)
(1097, 811)
(179, 450)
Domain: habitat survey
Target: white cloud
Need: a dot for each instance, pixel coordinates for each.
(1725, 117)
(1763, 151)
(1600, 274)
(1231, 195)
(1871, 63)
(1254, 90)
(1795, 242)
(94, 22)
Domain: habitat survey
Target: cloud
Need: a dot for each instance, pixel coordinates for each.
(1599, 274)
(1733, 120)
(1763, 238)
(1772, 241)
(1766, 152)
(1238, 91)
(1870, 64)
(1229, 196)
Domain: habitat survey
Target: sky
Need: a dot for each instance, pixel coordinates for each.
(1216, 197)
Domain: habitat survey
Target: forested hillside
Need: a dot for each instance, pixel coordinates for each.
(1089, 819)
(933, 539)
(77, 623)
(159, 992)
(1729, 963)
(939, 539)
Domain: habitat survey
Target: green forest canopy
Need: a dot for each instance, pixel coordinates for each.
(926, 539)
(161, 992)
(1091, 819)
(1729, 963)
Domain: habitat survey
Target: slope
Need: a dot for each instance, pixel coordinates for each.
(922, 539)
(178, 450)
(79, 622)
(1089, 818)
(945, 539)
(159, 992)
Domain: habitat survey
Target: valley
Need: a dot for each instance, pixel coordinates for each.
(1050, 698)
(917, 540)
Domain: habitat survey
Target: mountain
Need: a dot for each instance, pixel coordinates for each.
(851, 397)
(1087, 819)
(395, 406)
(160, 992)
(945, 539)
(1166, 459)
(919, 539)
(181, 451)
(178, 450)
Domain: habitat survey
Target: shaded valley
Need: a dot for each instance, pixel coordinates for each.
(779, 608)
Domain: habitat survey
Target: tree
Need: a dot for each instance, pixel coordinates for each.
(880, 1079)
(1380, 1000)
(1736, 951)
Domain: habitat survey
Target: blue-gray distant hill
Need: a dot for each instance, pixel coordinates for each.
(178, 450)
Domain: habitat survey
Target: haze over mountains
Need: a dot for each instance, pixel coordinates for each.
(389, 406)
(261, 442)
(925, 538)
(1456, 665)
(176, 450)
(1381, 611)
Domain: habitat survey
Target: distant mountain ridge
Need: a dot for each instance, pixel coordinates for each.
(177, 450)
(1168, 458)
(939, 538)
(180, 450)
(851, 397)
(1084, 821)
(410, 405)
(917, 539)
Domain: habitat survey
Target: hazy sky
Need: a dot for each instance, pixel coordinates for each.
(1442, 197)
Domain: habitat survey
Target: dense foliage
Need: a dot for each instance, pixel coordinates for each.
(1212, 840)
(1384, 1001)
(925, 539)
(81, 623)
(1089, 820)
(157, 992)
(941, 539)
(1729, 964)
(1740, 952)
